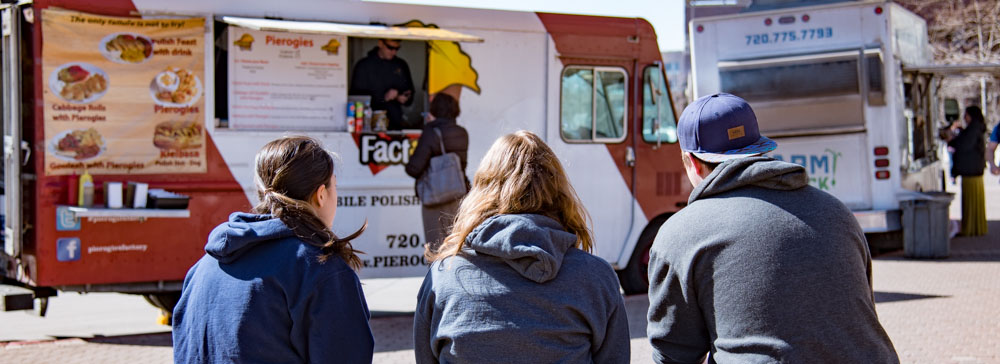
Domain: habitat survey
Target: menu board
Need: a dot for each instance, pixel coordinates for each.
(123, 95)
(286, 81)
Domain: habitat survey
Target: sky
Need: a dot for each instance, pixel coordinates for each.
(667, 16)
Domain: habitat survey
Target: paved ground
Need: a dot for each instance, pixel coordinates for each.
(935, 311)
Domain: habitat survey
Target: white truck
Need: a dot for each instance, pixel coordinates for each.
(845, 90)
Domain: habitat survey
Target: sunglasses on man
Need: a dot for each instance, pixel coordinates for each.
(391, 48)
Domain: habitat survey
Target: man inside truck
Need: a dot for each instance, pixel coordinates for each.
(760, 266)
(386, 78)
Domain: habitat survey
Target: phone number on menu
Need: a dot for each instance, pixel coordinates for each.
(789, 36)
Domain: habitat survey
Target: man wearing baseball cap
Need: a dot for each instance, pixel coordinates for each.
(760, 266)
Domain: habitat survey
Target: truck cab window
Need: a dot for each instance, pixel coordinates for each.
(656, 104)
(593, 105)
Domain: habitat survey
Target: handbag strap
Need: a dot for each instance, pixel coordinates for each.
(440, 140)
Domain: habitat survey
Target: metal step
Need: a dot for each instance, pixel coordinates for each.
(13, 298)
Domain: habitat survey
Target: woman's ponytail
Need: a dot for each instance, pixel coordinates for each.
(289, 171)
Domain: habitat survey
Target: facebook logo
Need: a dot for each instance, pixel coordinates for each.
(68, 249)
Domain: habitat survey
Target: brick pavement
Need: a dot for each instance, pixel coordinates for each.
(943, 311)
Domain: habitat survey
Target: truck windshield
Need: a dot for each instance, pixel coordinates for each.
(656, 102)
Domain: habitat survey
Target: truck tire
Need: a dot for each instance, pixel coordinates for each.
(635, 277)
(164, 301)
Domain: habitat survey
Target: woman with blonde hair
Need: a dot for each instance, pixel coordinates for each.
(514, 281)
(277, 285)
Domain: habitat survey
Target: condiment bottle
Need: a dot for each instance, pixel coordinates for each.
(367, 118)
(86, 192)
(73, 189)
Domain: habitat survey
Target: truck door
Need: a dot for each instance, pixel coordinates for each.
(591, 142)
(13, 144)
(921, 137)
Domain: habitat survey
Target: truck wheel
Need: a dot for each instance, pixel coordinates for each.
(635, 277)
(164, 301)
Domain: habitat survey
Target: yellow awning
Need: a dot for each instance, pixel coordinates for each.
(352, 30)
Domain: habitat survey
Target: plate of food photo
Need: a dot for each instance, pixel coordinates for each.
(78, 82)
(178, 135)
(77, 145)
(127, 48)
(175, 87)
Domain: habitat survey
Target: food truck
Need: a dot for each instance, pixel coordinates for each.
(130, 127)
(846, 89)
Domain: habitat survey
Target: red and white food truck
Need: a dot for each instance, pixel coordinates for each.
(169, 101)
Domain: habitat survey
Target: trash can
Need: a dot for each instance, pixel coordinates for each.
(925, 225)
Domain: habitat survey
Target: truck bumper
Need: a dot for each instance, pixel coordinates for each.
(879, 221)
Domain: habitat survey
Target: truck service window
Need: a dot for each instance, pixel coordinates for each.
(785, 81)
(593, 104)
(780, 82)
(780, 88)
(656, 102)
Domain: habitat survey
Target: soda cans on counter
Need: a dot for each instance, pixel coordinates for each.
(351, 112)
(359, 116)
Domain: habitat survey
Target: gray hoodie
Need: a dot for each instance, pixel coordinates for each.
(520, 293)
(760, 267)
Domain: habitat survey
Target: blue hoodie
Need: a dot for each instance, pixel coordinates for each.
(261, 295)
(520, 293)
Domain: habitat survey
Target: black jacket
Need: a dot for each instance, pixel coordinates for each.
(374, 76)
(969, 158)
(456, 140)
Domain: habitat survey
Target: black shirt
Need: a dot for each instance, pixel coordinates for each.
(374, 76)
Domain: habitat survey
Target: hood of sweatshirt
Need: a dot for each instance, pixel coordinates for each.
(764, 172)
(533, 245)
(241, 233)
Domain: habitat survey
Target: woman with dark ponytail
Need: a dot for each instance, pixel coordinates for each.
(969, 161)
(277, 285)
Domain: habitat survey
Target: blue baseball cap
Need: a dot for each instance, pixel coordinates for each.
(721, 127)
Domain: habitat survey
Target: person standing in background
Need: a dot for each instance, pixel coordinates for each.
(444, 111)
(386, 78)
(969, 162)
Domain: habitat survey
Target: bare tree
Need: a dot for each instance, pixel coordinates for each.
(963, 32)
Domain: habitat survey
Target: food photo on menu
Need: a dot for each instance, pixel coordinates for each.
(178, 135)
(175, 86)
(79, 82)
(78, 144)
(127, 48)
